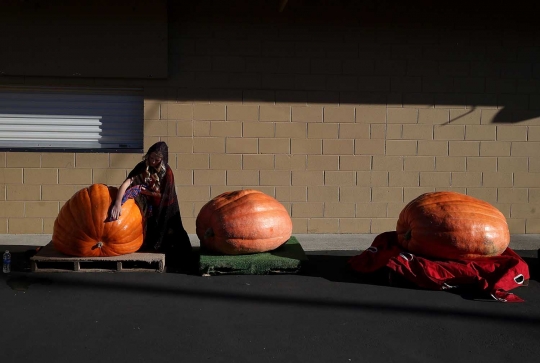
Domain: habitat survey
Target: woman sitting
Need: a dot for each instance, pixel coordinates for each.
(151, 185)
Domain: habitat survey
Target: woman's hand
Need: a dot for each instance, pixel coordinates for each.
(116, 211)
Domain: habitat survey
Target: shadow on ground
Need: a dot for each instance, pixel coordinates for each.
(331, 265)
(348, 291)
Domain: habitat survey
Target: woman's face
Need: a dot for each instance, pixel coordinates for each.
(154, 160)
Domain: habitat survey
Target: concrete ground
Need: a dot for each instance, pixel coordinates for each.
(326, 313)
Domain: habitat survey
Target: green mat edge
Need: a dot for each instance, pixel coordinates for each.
(286, 259)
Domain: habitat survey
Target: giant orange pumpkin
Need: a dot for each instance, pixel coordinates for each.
(452, 225)
(81, 228)
(243, 222)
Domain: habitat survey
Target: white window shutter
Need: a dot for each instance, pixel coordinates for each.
(50, 131)
(71, 119)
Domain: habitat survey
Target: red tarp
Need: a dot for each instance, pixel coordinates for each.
(495, 275)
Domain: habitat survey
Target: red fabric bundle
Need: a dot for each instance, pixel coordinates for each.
(494, 275)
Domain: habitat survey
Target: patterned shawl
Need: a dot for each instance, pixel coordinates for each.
(164, 229)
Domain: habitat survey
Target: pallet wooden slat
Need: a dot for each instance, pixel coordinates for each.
(50, 260)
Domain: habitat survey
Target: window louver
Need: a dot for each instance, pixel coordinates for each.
(50, 131)
(71, 118)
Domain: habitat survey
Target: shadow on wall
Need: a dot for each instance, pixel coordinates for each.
(466, 56)
(367, 53)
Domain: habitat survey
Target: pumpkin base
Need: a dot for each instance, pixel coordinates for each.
(286, 259)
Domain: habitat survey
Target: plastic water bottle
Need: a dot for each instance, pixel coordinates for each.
(6, 258)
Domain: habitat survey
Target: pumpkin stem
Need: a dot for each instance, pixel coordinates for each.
(408, 235)
(209, 233)
(97, 245)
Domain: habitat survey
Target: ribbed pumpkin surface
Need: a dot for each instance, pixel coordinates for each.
(80, 228)
(242, 222)
(452, 225)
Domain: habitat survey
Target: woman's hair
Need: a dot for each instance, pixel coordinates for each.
(162, 150)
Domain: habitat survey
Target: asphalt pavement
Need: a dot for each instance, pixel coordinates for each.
(326, 313)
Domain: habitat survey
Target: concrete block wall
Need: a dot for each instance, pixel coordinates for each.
(342, 124)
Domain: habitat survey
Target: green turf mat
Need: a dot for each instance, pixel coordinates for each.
(287, 258)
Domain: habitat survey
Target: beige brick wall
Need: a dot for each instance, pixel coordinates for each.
(344, 127)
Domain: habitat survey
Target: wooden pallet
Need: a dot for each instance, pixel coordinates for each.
(50, 260)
